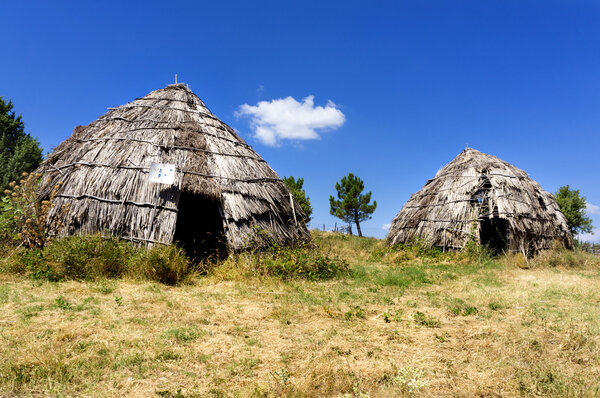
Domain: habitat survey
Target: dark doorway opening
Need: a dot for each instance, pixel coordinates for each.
(199, 228)
(494, 234)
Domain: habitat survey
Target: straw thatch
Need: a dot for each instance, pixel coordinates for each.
(481, 198)
(222, 186)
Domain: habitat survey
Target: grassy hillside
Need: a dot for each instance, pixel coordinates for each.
(409, 322)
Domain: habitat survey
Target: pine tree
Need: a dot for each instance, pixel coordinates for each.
(296, 187)
(351, 205)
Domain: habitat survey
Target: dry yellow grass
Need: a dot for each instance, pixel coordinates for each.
(386, 330)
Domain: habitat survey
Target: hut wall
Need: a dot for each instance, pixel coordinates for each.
(103, 170)
(449, 210)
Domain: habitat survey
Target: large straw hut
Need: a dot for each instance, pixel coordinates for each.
(224, 196)
(478, 197)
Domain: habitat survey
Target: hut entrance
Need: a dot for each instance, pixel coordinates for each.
(493, 232)
(199, 228)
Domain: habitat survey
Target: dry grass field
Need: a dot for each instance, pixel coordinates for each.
(392, 327)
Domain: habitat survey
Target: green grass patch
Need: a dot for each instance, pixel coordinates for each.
(403, 277)
(184, 334)
(460, 307)
(4, 294)
(422, 319)
(302, 262)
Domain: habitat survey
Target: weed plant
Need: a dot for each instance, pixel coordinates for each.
(302, 261)
(418, 251)
(422, 319)
(22, 216)
(561, 257)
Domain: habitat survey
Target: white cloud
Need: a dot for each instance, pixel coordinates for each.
(288, 119)
(386, 227)
(592, 209)
(593, 237)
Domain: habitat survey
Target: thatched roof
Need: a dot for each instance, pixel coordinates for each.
(471, 196)
(104, 168)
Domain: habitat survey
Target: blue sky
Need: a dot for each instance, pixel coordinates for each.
(415, 82)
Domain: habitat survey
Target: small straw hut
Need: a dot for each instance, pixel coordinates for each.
(481, 198)
(222, 197)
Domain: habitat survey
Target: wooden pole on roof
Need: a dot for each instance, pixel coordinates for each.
(293, 209)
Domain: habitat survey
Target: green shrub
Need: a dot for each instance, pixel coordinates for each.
(471, 253)
(22, 216)
(29, 262)
(407, 252)
(477, 253)
(94, 256)
(297, 262)
(561, 257)
(349, 247)
(35, 264)
(165, 264)
(417, 250)
(88, 257)
(11, 262)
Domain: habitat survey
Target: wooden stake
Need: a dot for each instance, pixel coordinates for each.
(293, 209)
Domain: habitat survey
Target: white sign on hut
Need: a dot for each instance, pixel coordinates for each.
(162, 173)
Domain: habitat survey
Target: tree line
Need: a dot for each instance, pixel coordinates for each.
(19, 151)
